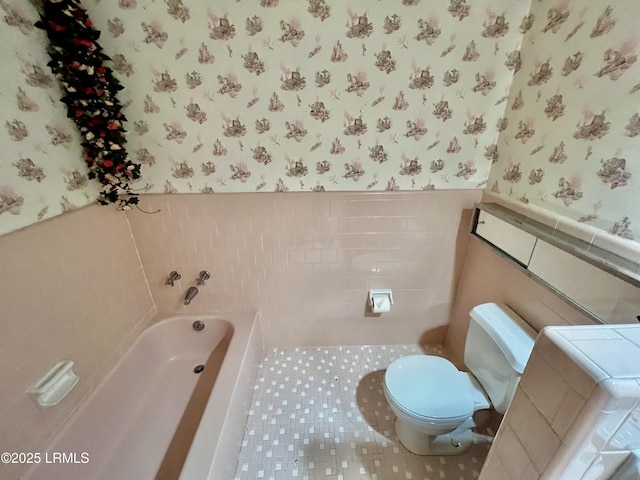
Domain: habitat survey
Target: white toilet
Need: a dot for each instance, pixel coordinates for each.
(434, 402)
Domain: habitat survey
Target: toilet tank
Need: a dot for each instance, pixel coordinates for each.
(498, 346)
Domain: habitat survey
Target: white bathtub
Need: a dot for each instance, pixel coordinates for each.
(154, 418)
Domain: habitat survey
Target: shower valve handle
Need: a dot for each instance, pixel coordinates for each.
(173, 276)
(204, 275)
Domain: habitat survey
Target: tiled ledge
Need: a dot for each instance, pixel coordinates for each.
(622, 247)
(575, 410)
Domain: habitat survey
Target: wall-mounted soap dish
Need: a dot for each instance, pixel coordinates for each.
(55, 385)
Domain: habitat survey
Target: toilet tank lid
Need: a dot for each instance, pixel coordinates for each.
(508, 330)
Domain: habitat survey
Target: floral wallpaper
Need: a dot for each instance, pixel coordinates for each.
(571, 136)
(534, 100)
(283, 95)
(42, 173)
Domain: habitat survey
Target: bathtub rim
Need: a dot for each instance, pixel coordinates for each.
(214, 424)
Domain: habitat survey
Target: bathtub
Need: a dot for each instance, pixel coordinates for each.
(154, 417)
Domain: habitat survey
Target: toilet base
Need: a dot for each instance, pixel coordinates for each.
(453, 443)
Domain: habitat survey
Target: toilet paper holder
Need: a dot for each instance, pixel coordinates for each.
(377, 296)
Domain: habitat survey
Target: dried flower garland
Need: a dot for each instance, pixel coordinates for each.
(78, 62)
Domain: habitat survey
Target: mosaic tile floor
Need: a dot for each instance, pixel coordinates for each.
(320, 413)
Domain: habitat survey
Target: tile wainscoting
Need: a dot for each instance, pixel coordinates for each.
(72, 288)
(306, 261)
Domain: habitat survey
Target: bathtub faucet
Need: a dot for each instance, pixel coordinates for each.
(191, 293)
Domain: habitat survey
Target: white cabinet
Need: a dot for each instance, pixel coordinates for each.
(600, 284)
(515, 242)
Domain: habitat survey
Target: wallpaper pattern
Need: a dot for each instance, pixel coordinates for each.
(268, 95)
(42, 173)
(302, 95)
(572, 140)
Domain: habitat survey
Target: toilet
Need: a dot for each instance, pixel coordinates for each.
(434, 402)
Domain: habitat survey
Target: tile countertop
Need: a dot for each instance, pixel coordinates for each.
(607, 428)
(610, 354)
(604, 351)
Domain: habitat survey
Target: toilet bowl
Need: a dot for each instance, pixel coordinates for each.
(434, 402)
(446, 400)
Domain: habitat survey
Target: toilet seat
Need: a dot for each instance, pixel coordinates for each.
(429, 389)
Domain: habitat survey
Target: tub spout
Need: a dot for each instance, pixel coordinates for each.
(192, 292)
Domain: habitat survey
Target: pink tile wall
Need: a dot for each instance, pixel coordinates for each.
(548, 400)
(72, 288)
(307, 261)
(489, 277)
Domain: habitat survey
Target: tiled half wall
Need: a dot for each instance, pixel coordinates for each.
(71, 288)
(307, 261)
(575, 412)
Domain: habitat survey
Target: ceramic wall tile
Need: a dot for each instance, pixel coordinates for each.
(488, 277)
(594, 428)
(80, 297)
(307, 261)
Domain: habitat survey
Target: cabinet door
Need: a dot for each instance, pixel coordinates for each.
(508, 238)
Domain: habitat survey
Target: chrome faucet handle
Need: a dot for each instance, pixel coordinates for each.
(204, 275)
(173, 276)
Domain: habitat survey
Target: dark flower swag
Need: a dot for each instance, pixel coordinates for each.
(78, 63)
